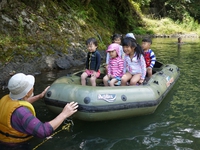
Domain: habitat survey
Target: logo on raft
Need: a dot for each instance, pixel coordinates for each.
(169, 81)
(107, 97)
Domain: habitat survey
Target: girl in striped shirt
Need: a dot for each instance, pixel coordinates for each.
(116, 38)
(134, 63)
(115, 65)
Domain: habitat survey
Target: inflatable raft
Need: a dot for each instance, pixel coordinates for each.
(106, 103)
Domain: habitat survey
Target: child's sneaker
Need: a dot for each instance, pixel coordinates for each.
(108, 81)
(118, 83)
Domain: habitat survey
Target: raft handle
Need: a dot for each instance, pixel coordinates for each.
(160, 72)
(123, 97)
(87, 100)
(158, 92)
(49, 94)
(171, 69)
(156, 82)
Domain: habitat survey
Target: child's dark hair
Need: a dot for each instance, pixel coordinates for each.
(92, 40)
(147, 40)
(116, 36)
(128, 41)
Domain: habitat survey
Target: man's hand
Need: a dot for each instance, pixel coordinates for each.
(70, 109)
(41, 95)
(37, 97)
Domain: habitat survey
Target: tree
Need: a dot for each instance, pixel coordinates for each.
(177, 9)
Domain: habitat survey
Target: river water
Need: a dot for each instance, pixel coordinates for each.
(174, 125)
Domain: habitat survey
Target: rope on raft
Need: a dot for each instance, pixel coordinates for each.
(68, 124)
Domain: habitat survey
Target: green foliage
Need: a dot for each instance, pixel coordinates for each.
(93, 18)
(5, 40)
(136, 6)
(189, 23)
(101, 46)
(143, 2)
(168, 26)
(175, 9)
(60, 18)
(143, 31)
(21, 29)
(6, 55)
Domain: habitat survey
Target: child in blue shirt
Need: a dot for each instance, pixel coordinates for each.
(149, 55)
(93, 62)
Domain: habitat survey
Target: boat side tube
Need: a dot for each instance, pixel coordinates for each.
(106, 103)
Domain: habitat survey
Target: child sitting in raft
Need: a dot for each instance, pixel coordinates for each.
(93, 62)
(149, 55)
(134, 63)
(131, 35)
(116, 38)
(115, 65)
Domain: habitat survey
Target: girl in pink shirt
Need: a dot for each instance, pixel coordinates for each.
(115, 65)
(134, 62)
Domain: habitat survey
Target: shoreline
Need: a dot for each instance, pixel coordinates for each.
(189, 35)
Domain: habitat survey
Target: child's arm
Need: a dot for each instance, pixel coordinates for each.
(109, 70)
(98, 61)
(124, 70)
(87, 60)
(143, 66)
(122, 55)
(107, 58)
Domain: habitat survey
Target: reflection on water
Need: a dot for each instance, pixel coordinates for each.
(174, 125)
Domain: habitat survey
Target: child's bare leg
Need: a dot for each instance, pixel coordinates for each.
(135, 79)
(83, 77)
(125, 78)
(112, 82)
(105, 80)
(149, 71)
(93, 80)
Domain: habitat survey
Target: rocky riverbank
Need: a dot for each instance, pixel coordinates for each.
(39, 37)
(37, 65)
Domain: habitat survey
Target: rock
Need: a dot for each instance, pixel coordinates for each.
(67, 62)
